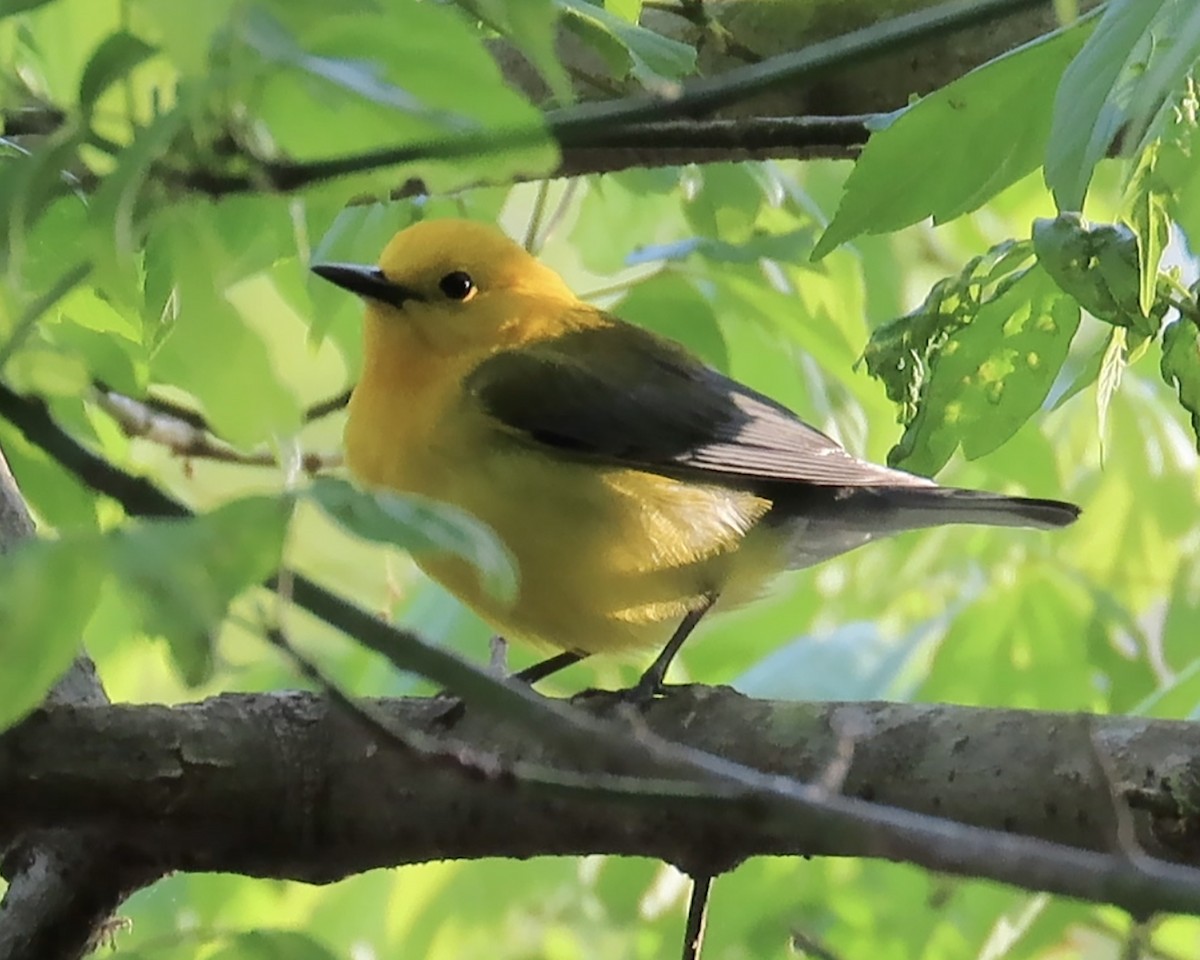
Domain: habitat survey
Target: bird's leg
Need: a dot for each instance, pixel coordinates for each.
(693, 934)
(456, 709)
(651, 683)
(544, 668)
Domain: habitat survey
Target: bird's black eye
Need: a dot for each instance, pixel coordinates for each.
(457, 285)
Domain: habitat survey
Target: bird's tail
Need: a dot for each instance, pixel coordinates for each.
(919, 507)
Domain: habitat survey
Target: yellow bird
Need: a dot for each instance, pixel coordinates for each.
(636, 487)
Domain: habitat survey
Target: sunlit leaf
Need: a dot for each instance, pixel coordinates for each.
(1089, 107)
(1181, 368)
(1029, 631)
(419, 525)
(57, 497)
(1098, 266)
(992, 374)
(350, 82)
(1112, 367)
(113, 59)
(532, 26)
(652, 58)
(644, 202)
(671, 305)
(9, 7)
(48, 590)
(1151, 224)
(181, 575)
(914, 167)
(726, 205)
(209, 349)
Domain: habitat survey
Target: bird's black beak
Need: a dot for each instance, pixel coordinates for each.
(366, 281)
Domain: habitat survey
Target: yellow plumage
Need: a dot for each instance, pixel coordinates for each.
(609, 558)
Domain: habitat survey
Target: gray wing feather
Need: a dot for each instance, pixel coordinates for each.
(623, 396)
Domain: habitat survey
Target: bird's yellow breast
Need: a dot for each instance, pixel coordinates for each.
(608, 558)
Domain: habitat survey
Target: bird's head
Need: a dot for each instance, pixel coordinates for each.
(454, 283)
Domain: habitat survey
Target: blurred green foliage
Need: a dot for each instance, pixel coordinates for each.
(1027, 349)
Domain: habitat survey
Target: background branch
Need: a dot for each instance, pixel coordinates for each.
(588, 125)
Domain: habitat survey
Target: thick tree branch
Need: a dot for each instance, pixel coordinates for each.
(692, 777)
(729, 34)
(287, 785)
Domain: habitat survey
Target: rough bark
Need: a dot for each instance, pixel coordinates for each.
(734, 32)
(288, 786)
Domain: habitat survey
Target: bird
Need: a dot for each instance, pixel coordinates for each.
(637, 489)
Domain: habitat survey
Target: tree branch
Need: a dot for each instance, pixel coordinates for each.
(589, 125)
(289, 786)
(190, 441)
(697, 777)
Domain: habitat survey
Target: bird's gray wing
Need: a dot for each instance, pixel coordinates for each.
(620, 395)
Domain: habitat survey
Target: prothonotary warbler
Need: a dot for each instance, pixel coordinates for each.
(635, 487)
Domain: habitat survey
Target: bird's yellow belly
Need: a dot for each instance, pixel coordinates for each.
(608, 559)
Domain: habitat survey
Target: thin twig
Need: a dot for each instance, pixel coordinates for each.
(535, 217)
(185, 439)
(807, 945)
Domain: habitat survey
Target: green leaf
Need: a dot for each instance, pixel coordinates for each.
(1112, 369)
(1182, 615)
(210, 349)
(990, 374)
(727, 204)
(955, 149)
(856, 661)
(186, 30)
(181, 575)
(1028, 627)
(419, 525)
(1089, 107)
(531, 26)
(902, 353)
(1180, 368)
(118, 211)
(57, 497)
(1098, 266)
(10, 7)
(670, 304)
(644, 201)
(654, 60)
(1178, 163)
(363, 78)
(1147, 206)
(349, 82)
(48, 590)
(116, 56)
